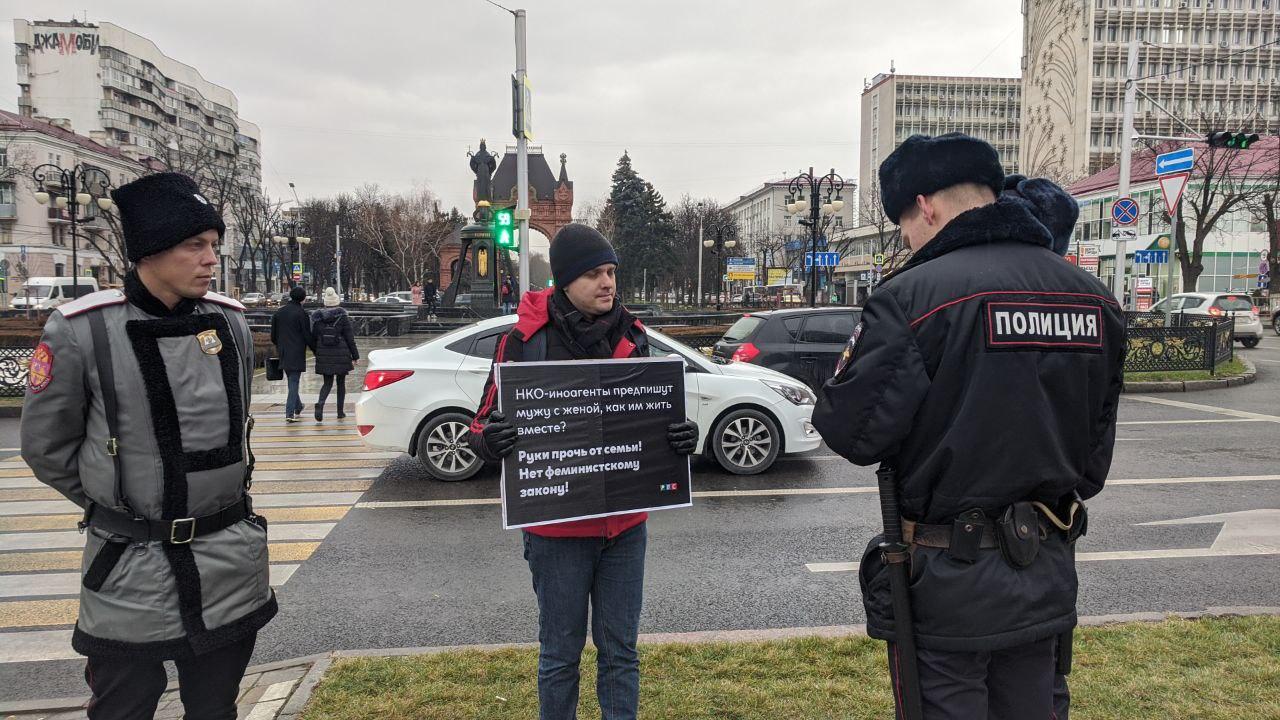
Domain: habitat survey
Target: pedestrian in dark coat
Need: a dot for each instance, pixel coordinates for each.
(291, 334)
(336, 352)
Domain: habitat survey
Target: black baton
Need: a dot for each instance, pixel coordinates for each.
(896, 555)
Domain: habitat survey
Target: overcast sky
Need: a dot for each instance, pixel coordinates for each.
(711, 98)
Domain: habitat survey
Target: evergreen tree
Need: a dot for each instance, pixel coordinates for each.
(640, 226)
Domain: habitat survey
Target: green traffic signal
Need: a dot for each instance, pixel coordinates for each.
(1234, 141)
(504, 228)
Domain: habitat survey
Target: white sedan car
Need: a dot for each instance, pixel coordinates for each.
(420, 400)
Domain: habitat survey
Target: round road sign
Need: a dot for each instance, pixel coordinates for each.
(1125, 211)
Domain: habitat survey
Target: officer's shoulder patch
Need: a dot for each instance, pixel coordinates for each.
(223, 300)
(93, 301)
(1043, 326)
(40, 368)
(846, 357)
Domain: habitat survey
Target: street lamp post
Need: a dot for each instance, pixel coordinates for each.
(797, 204)
(294, 233)
(698, 302)
(718, 247)
(78, 187)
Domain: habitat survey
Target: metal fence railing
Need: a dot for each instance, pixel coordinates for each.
(13, 370)
(1196, 344)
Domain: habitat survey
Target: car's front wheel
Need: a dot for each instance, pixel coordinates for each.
(745, 442)
(1275, 324)
(443, 449)
(1251, 342)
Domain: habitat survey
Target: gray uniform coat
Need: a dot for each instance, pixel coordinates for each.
(183, 404)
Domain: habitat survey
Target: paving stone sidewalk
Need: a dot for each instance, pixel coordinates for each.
(277, 691)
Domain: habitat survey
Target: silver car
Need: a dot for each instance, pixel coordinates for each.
(1237, 306)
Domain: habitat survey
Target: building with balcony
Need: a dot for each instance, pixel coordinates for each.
(36, 240)
(120, 90)
(1214, 64)
(895, 107)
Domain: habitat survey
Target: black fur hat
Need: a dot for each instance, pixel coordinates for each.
(159, 211)
(922, 165)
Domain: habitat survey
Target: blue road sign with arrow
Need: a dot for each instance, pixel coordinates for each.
(1150, 257)
(1176, 161)
(1125, 211)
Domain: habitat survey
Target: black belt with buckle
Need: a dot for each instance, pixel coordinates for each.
(180, 531)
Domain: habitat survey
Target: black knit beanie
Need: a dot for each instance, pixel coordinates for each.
(297, 294)
(159, 211)
(923, 165)
(576, 249)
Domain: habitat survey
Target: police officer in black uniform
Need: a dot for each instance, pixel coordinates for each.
(986, 372)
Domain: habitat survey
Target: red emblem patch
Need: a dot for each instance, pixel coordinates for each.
(40, 369)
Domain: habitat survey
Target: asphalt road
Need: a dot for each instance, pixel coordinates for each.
(762, 552)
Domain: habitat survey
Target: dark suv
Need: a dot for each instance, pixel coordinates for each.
(804, 343)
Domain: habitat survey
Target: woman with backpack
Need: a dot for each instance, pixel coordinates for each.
(336, 351)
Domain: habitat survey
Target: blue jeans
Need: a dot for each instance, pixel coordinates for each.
(293, 404)
(569, 573)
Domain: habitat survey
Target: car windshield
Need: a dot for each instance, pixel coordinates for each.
(37, 291)
(667, 345)
(742, 329)
(1233, 303)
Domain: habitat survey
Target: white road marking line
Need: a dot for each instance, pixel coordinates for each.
(832, 567)
(459, 502)
(37, 646)
(63, 507)
(265, 710)
(20, 483)
(68, 583)
(1206, 408)
(70, 539)
(277, 691)
(1170, 553)
(1269, 362)
(1190, 422)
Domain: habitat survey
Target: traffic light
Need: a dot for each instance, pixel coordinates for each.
(1235, 141)
(504, 226)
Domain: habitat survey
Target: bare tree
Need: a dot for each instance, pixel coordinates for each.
(1264, 204)
(1222, 182)
(409, 230)
(887, 240)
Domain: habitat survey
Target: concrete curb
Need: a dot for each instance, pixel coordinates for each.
(300, 697)
(1249, 375)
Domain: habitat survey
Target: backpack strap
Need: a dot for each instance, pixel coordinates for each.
(110, 404)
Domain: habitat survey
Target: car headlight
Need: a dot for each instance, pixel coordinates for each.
(797, 394)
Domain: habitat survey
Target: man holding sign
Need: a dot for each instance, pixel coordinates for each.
(597, 562)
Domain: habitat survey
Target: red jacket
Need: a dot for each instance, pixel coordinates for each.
(531, 317)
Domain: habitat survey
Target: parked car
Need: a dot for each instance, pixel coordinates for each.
(276, 298)
(804, 343)
(253, 299)
(421, 400)
(404, 298)
(644, 309)
(1240, 307)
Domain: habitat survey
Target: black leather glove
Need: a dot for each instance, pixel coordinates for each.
(683, 437)
(498, 437)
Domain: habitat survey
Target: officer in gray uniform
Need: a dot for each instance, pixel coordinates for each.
(137, 410)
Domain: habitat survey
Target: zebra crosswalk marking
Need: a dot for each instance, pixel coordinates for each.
(307, 478)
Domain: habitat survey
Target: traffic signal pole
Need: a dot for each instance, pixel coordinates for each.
(522, 157)
(1126, 163)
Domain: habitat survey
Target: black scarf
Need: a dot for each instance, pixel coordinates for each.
(139, 295)
(588, 339)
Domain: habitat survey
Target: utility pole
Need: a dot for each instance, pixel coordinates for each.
(337, 258)
(1126, 162)
(522, 152)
